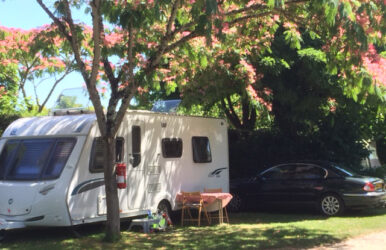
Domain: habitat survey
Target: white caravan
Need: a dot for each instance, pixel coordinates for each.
(51, 167)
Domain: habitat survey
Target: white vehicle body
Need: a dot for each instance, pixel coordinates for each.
(47, 176)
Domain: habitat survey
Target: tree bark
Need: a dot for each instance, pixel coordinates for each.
(113, 228)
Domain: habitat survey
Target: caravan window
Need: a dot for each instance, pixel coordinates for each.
(136, 145)
(201, 149)
(171, 147)
(97, 153)
(34, 159)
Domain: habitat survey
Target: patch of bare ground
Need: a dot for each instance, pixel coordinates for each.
(373, 241)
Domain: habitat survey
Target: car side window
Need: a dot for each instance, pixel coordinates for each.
(304, 171)
(280, 173)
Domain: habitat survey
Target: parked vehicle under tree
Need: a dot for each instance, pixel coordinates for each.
(330, 187)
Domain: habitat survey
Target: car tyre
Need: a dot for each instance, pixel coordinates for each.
(236, 204)
(331, 205)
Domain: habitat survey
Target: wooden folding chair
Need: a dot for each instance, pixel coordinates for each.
(222, 212)
(193, 200)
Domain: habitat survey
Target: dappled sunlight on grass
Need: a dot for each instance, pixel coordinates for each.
(246, 231)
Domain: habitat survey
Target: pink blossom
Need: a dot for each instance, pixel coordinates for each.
(186, 33)
(110, 40)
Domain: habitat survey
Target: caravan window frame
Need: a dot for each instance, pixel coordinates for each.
(29, 163)
(119, 156)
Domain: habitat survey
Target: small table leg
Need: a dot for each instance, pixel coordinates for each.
(220, 211)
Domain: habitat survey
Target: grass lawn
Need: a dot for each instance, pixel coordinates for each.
(245, 231)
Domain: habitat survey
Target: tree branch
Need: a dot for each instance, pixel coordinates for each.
(154, 61)
(110, 75)
(56, 20)
(130, 55)
(97, 31)
(72, 38)
(232, 118)
(255, 7)
(247, 17)
(68, 71)
(169, 48)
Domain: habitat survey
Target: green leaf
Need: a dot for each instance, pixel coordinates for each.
(316, 55)
(279, 3)
(285, 64)
(171, 87)
(203, 61)
(292, 39)
(330, 11)
(348, 11)
(271, 3)
(378, 91)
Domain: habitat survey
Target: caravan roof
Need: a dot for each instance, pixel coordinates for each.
(79, 124)
(51, 125)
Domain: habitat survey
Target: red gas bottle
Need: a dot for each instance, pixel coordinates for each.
(121, 175)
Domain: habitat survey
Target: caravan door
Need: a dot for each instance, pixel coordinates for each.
(136, 181)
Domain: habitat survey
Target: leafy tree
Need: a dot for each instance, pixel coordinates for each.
(227, 84)
(29, 57)
(149, 34)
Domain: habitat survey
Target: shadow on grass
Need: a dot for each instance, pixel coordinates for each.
(228, 238)
(297, 214)
(279, 215)
(35, 236)
(247, 230)
(207, 237)
(365, 212)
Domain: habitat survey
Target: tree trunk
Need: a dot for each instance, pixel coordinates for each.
(113, 231)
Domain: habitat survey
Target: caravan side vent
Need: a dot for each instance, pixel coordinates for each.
(80, 127)
(74, 111)
(14, 131)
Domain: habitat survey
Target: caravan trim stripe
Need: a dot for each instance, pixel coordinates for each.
(88, 185)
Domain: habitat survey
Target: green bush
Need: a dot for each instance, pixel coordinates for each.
(6, 119)
(252, 152)
(381, 149)
(379, 172)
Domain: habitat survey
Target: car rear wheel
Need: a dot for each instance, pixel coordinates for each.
(236, 204)
(331, 205)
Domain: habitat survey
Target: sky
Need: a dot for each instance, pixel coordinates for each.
(27, 14)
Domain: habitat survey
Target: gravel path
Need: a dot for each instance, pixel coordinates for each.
(373, 241)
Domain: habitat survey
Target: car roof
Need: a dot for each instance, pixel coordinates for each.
(315, 162)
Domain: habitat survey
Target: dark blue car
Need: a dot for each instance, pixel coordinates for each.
(330, 187)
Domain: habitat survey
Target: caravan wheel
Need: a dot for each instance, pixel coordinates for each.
(164, 207)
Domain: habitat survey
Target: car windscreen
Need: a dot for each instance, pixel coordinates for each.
(34, 159)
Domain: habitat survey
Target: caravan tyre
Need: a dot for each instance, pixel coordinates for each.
(164, 207)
